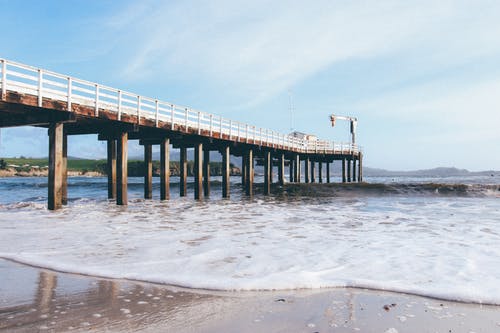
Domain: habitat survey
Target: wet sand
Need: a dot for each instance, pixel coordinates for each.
(39, 300)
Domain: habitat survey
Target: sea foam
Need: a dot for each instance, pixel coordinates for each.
(445, 247)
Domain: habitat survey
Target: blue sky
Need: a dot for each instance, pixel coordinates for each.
(423, 77)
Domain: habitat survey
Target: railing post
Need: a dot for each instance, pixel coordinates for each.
(230, 130)
(172, 111)
(199, 122)
(246, 132)
(157, 112)
(220, 127)
(260, 136)
(96, 100)
(186, 119)
(40, 86)
(69, 93)
(211, 124)
(138, 109)
(4, 79)
(119, 104)
(239, 132)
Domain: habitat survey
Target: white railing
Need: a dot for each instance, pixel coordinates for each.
(44, 84)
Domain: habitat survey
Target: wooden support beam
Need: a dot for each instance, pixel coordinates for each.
(14, 115)
(55, 166)
(198, 170)
(111, 169)
(249, 167)
(281, 169)
(122, 169)
(328, 172)
(267, 171)
(165, 169)
(148, 171)
(349, 179)
(320, 171)
(344, 177)
(64, 171)
(206, 171)
(225, 172)
(183, 172)
(307, 168)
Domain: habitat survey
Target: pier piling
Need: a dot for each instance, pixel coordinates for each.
(198, 170)
(55, 166)
(148, 171)
(307, 168)
(281, 169)
(122, 169)
(349, 179)
(320, 171)
(226, 172)
(328, 172)
(165, 169)
(206, 171)
(111, 168)
(183, 172)
(344, 176)
(267, 172)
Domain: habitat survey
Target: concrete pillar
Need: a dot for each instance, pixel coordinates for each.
(148, 171)
(206, 172)
(183, 172)
(267, 172)
(165, 169)
(55, 166)
(296, 164)
(198, 170)
(344, 178)
(64, 171)
(281, 169)
(249, 167)
(307, 170)
(111, 169)
(328, 172)
(313, 173)
(291, 171)
(349, 179)
(122, 169)
(226, 172)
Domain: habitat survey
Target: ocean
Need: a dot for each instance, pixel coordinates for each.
(437, 237)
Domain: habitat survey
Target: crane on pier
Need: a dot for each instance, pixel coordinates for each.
(352, 120)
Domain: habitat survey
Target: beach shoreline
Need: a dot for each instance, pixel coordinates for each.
(36, 299)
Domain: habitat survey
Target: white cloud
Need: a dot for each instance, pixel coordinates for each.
(258, 49)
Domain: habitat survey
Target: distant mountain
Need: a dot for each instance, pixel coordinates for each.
(436, 172)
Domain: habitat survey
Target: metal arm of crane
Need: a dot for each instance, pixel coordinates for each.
(352, 120)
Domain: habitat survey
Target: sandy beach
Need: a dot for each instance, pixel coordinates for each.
(39, 300)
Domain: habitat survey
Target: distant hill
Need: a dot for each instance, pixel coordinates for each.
(436, 172)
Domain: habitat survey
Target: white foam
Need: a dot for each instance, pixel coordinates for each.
(440, 247)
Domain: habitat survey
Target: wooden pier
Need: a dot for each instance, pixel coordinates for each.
(69, 106)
